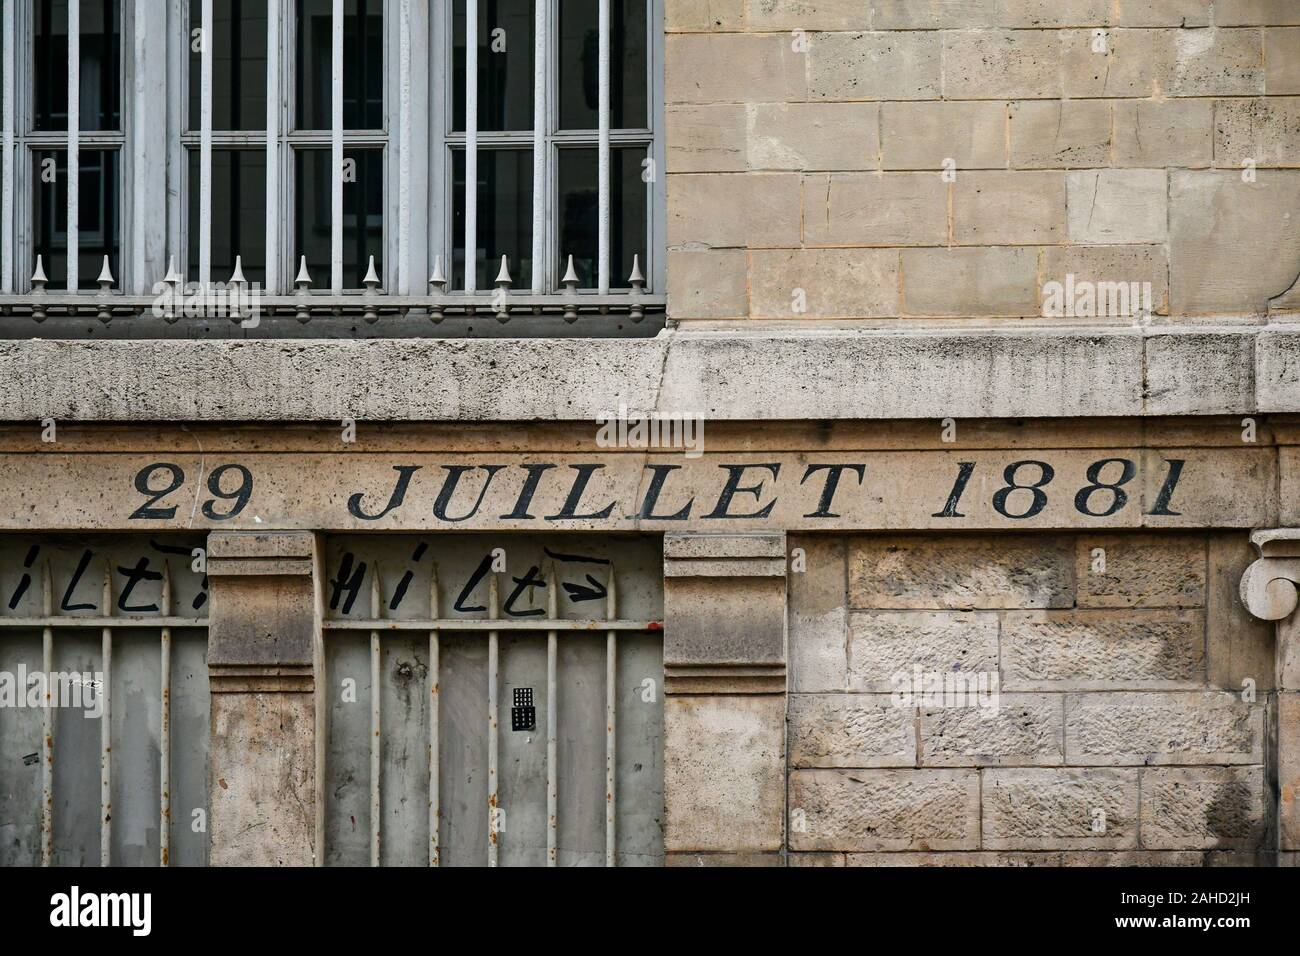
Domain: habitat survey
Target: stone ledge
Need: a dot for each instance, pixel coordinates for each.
(763, 374)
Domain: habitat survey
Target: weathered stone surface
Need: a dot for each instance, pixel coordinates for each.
(933, 14)
(1118, 206)
(1165, 132)
(818, 628)
(959, 572)
(924, 135)
(873, 66)
(732, 68)
(1060, 809)
(1288, 770)
(1054, 13)
(729, 210)
(1141, 571)
(1200, 373)
(1216, 63)
(1265, 132)
(1230, 13)
(1130, 64)
(1152, 729)
(1060, 134)
(1023, 731)
(836, 283)
(1282, 57)
(1203, 808)
(1112, 264)
(763, 15)
(1278, 371)
(706, 138)
(884, 810)
(1127, 858)
(1098, 650)
(708, 283)
(1240, 645)
(851, 730)
(1009, 208)
(875, 209)
(1164, 13)
(996, 280)
(692, 16)
(812, 136)
(1001, 64)
(883, 644)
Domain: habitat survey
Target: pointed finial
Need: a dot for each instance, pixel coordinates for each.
(438, 279)
(636, 312)
(371, 281)
(237, 277)
(570, 283)
(503, 277)
(38, 277)
(303, 279)
(504, 282)
(172, 275)
(105, 279)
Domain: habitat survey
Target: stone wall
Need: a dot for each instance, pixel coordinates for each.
(1150, 141)
(1124, 731)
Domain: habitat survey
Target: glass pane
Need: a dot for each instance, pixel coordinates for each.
(505, 216)
(580, 64)
(238, 65)
(100, 65)
(363, 214)
(238, 213)
(505, 65)
(579, 211)
(98, 219)
(363, 64)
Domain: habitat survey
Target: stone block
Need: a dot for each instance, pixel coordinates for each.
(875, 209)
(1108, 267)
(732, 68)
(1203, 808)
(1167, 728)
(708, 283)
(1141, 570)
(1001, 64)
(972, 280)
(1156, 133)
(1118, 206)
(924, 135)
(1282, 61)
(1060, 809)
(706, 138)
(1264, 131)
(1009, 208)
(734, 210)
(886, 644)
(1024, 730)
(1060, 134)
(851, 730)
(874, 66)
(813, 136)
(818, 619)
(826, 283)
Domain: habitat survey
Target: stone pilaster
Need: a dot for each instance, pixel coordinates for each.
(1269, 590)
(261, 643)
(725, 697)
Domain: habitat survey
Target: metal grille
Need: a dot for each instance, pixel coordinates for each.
(465, 657)
(130, 620)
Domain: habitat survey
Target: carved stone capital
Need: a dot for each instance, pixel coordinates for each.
(1269, 588)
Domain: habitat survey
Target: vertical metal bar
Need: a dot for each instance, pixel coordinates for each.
(552, 722)
(205, 146)
(375, 612)
(336, 151)
(74, 142)
(471, 144)
(611, 694)
(540, 25)
(272, 145)
(320, 672)
(47, 728)
(405, 149)
(165, 729)
(106, 728)
(435, 797)
(139, 169)
(7, 175)
(493, 674)
(603, 174)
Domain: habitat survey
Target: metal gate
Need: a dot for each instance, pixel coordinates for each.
(492, 700)
(103, 701)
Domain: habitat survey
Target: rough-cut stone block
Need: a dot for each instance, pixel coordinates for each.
(1009, 208)
(918, 135)
(1216, 63)
(1023, 730)
(708, 283)
(1139, 570)
(873, 66)
(1237, 266)
(819, 627)
(1099, 650)
(960, 572)
(1265, 131)
(703, 16)
(729, 210)
(813, 136)
(1282, 59)
(997, 280)
(1060, 809)
(1200, 373)
(886, 644)
(1156, 133)
(1060, 134)
(876, 209)
(1230, 13)
(1001, 64)
(851, 730)
(1118, 206)
(884, 810)
(1240, 646)
(706, 138)
(1122, 63)
(1203, 808)
(1178, 728)
(835, 283)
(732, 68)
(1119, 266)
(766, 15)
(933, 14)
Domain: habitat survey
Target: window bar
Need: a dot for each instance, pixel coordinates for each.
(336, 148)
(375, 611)
(272, 144)
(540, 23)
(165, 728)
(471, 145)
(435, 798)
(47, 729)
(404, 150)
(205, 147)
(74, 140)
(611, 689)
(7, 200)
(493, 669)
(106, 724)
(552, 718)
(603, 175)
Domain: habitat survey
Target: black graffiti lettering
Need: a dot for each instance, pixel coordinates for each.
(579, 593)
(1168, 488)
(577, 558)
(347, 580)
(449, 488)
(520, 512)
(1119, 497)
(479, 573)
(72, 586)
(529, 580)
(833, 473)
(134, 575)
(656, 487)
(400, 591)
(26, 580)
(579, 488)
(732, 488)
(395, 499)
(964, 470)
(145, 511)
(202, 597)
